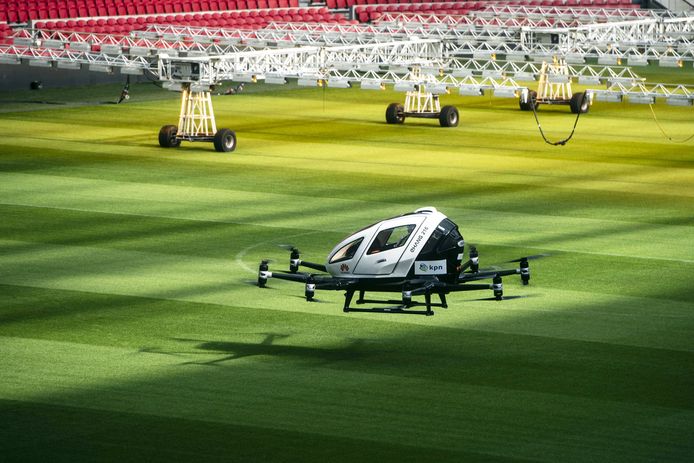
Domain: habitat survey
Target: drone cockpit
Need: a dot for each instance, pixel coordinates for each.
(423, 242)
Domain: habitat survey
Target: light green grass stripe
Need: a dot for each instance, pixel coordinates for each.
(278, 210)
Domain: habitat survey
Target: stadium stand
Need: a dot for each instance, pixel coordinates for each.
(122, 16)
(247, 19)
(367, 12)
(21, 11)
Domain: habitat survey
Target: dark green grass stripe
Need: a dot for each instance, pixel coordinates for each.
(30, 431)
(595, 370)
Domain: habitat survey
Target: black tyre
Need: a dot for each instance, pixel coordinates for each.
(449, 116)
(167, 137)
(394, 114)
(532, 101)
(579, 103)
(225, 140)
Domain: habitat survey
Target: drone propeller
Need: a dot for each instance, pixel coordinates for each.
(533, 257)
(504, 298)
(288, 247)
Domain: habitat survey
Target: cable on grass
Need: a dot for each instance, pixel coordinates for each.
(565, 140)
(668, 137)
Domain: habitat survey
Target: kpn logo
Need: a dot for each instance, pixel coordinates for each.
(430, 267)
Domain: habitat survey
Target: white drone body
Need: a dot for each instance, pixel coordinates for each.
(391, 248)
(415, 254)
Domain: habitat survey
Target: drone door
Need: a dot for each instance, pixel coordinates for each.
(387, 246)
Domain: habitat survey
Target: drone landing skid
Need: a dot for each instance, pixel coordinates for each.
(402, 306)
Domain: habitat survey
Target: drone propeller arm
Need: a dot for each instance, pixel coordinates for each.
(298, 277)
(295, 261)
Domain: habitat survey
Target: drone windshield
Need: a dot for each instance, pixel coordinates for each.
(391, 238)
(347, 251)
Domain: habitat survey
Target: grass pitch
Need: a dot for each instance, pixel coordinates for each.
(130, 327)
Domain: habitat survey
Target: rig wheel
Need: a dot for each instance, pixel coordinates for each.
(167, 137)
(532, 101)
(394, 113)
(225, 140)
(579, 103)
(449, 116)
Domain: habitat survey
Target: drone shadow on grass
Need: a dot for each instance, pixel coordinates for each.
(230, 350)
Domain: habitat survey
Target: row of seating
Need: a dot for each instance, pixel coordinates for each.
(368, 13)
(347, 4)
(18, 11)
(247, 19)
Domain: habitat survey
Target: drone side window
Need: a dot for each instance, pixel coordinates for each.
(347, 251)
(391, 238)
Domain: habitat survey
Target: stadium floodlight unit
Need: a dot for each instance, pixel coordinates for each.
(470, 90)
(398, 69)
(641, 99)
(609, 60)
(574, 58)
(365, 67)
(437, 89)
(635, 60)
(131, 71)
(40, 63)
(80, 46)
(464, 72)
(342, 65)
(199, 88)
(275, 79)
(372, 85)
(541, 57)
(163, 52)
(23, 41)
(506, 92)
(101, 68)
(524, 75)
(484, 55)
(73, 65)
(140, 51)
(588, 80)
(173, 86)
(7, 59)
(558, 79)
(493, 73)
(680, 100)
(608, 96)
(55, 44)
(404, 87)
(256, 43)
(432, 70)
(670, 62)
(109, 49)
(334, 82)
(245, 77)
(515, 56)
(310, 81)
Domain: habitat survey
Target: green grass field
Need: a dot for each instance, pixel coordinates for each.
(130, 327)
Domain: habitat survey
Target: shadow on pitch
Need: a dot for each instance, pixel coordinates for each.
(230, 350)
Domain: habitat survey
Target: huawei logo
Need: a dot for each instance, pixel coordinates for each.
(344, 268)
